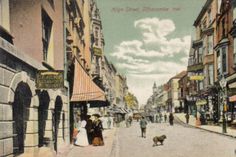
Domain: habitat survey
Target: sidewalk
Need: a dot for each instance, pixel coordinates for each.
(98, 151)
(210, 128)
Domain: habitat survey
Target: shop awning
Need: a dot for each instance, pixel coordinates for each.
(84, 89)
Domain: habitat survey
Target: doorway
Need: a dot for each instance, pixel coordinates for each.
(56, 117)
(21, 104)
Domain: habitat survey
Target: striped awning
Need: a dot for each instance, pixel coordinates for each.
(84, 89)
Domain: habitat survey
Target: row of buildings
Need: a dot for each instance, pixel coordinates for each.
(167, 97)
(208, 86)
(51, 62)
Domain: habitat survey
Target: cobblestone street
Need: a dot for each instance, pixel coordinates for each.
(181, 142)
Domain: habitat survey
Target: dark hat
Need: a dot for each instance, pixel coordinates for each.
(96, 115)
(88, 116)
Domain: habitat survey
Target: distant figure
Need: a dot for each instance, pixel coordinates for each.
(109, 122)
(165, 117)
(160, 116)
(171, 119)
(130, 120)
(187, 118)
(81, 138)
(143, 125)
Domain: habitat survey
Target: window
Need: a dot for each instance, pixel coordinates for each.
(96, 32)
(234, 9)
(210, 44)
(218, 63)
(209, 16)
(219, 5)
(234, 54)
(211, 74)
(46, 33)
(223, 28)
(204, 24)
(1, 12)
(4, 15)
(224, 60)
(200, 54)
(51, 2)
(96, 41)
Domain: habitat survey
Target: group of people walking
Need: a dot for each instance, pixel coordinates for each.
(89, 132)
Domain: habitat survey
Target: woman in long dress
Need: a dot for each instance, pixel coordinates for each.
(97, 132)
(82, 138)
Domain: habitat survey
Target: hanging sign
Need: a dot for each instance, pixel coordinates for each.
(197, 77)
(201, 102)
(49, 79)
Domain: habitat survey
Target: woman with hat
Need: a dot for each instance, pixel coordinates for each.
(97, 131)
(81, 138)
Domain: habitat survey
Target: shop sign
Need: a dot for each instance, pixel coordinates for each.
(232, 98)
(195, 67)
(201, 102)
(197, 77)
(97, 51)
(49, 79)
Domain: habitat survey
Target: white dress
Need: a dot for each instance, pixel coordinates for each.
(82, 138)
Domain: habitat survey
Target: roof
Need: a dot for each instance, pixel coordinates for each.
(202, 12)
(180, 75)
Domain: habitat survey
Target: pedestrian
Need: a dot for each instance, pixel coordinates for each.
(109, 122)
(160, 116)
(130, 120)
(89, 129)
(187, 118)
(143, 125)
(82, 138)
(171, 119)
(165, 117)
(97, 131)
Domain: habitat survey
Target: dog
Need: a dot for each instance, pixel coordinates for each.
(159, 139)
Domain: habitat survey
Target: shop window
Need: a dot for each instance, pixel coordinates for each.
(46, 33)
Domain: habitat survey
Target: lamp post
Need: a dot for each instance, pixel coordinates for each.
(223, 84)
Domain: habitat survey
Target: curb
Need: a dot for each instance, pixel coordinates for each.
(223, 134)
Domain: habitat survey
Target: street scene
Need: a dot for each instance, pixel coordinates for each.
(117, 78)
(128, 142)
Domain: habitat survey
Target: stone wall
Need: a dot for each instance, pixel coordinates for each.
(17, 67)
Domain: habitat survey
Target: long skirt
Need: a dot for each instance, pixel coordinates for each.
(97, 141)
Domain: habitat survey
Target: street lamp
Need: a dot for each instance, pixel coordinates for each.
(223, 84)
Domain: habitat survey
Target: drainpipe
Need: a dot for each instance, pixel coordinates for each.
(65, 65)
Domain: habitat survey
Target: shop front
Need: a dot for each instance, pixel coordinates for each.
(86, 96)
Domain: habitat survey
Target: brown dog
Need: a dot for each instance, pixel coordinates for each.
(160, 139)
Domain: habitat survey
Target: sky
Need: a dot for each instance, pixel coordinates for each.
(148, 40)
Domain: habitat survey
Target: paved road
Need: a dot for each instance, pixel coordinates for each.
(181, 142)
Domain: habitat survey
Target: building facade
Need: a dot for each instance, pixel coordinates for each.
(31, 118)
